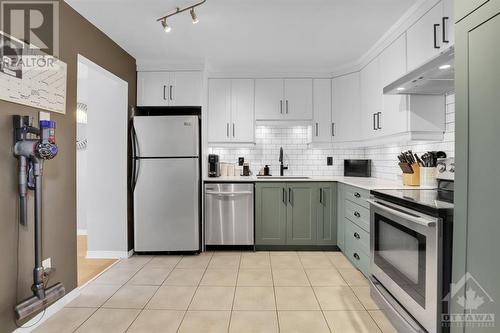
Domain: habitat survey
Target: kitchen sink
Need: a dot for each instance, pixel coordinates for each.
(282, 177)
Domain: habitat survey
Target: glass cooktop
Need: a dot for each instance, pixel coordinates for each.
(437, 199)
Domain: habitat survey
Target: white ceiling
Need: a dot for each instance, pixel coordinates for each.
(248, 35)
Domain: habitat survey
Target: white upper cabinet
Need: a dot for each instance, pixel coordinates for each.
(269, 99)
(448, 35)
(283, 99)
(298, 99)
(231, 110)
(243, 110)
(425, 37)
(393, 115)
(219, 110)
(346, 108)
(169, 88)
(371, 99)
(322, 129)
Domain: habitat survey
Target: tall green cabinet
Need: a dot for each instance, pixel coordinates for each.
(476, 246)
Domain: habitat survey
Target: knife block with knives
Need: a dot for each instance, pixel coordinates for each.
(410, 165)
(413, 178)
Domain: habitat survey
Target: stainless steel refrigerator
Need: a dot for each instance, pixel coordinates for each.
(166, 183)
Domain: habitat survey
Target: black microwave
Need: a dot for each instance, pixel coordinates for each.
(357, 168)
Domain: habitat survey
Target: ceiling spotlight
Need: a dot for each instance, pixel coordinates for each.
(445, 67)
(193, 16)
(165, 25)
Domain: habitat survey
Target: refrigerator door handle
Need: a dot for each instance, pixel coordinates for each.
(135, 175)
(135, 162)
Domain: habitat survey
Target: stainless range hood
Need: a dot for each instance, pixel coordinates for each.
(436, 77)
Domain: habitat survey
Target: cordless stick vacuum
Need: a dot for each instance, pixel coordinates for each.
(32, 146)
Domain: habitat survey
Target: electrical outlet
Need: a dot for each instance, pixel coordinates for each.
(329, 160)
(47, 263)
(43, 116)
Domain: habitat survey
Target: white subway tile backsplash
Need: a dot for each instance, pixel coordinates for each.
(306, 161)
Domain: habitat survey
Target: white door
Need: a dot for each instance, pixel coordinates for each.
(242, 110)
(424, 37)
(346, 108)
(153, 88)
(371, 99)
(322, 111)
(219, 110)
(185, 89)
(269, 104)
(394, 116)
(298, 99)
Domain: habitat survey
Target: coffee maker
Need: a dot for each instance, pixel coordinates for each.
(213, 166)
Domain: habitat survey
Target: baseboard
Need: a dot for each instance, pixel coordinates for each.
(81, 232)
(108, 254)
(40, 318)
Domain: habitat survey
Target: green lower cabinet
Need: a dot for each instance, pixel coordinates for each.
(270, 213)
(326, 214)
(301, 214)
(298, 214)
(340, 216)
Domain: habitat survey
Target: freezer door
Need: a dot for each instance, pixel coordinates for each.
(166, 136)
(166, 205)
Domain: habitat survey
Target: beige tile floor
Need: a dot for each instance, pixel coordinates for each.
(235, 292)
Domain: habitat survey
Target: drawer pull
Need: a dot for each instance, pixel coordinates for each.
(357, 195)
(357, 214)
(356, 235)
(356, 256)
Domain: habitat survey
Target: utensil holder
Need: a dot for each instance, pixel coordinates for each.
(428, 177)
(412, 179)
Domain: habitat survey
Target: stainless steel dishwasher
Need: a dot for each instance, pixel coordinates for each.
(229, 214)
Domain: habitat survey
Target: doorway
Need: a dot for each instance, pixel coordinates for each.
(102, 115)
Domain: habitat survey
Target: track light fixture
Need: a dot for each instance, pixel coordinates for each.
(178, 10)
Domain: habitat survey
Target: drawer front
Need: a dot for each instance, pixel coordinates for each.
(359, 258)
(357, 214)
(357, 195)
(358, 238)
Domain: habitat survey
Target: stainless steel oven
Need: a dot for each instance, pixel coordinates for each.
(405, 251)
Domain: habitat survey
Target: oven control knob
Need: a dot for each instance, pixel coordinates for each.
(441, 167)
(452, 167)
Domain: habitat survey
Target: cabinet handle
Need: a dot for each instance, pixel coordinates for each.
(316, 129)
(281, 106)
(320, 195)
(227, 130)
(444, 29)
(333, 129)
(290, 195)
(171, 92)
(374, 121)
(164, 92)
(356, 235)
(435, 36)
(356, 256)
(234, 131)
(286, 106)
(357, 195)
(378, 120)
(357, 214)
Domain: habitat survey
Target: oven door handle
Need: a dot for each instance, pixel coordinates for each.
(416, 219)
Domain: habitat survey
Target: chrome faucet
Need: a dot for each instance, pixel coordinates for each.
(282, 167)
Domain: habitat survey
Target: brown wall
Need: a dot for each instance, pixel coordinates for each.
(77, 36)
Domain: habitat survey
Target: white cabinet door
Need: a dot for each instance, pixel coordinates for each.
(298, 99)
(269, 104)
(448, 35)
(371, 99)
(185, 88)
(393, 118)
(322, 111)
(242, 110)
(346, 108)
(152, 88)
(425, 37)
(219, 110)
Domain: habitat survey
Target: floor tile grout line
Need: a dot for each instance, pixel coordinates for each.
(274, 291)
(234, 295)
(194, 294)
(317, 300)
